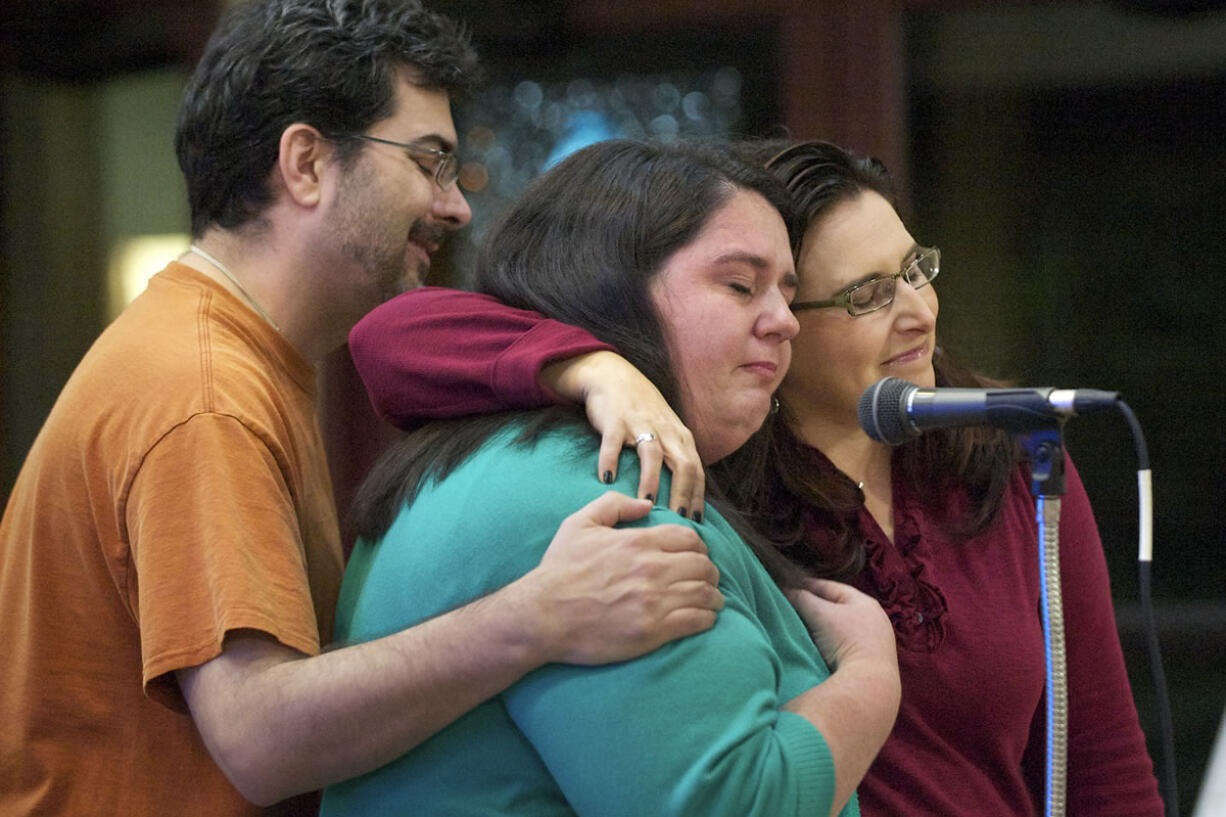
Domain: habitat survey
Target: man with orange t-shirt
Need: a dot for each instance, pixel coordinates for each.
(170, 554)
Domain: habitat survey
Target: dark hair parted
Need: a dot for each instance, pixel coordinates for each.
(798, 491)
(581, 245)
(331, 64)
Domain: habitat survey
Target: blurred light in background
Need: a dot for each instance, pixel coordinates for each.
(134, 261)
(515, 130)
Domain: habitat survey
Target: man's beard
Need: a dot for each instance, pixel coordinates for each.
(388, 270)
(379, 249)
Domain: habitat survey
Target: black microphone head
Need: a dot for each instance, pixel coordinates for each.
(883, 411)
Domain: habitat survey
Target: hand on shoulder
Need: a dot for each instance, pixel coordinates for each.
(603, 594)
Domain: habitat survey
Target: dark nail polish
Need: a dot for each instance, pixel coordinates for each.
(698, 517)
(608, 477)
(681, 512)
(650, 497)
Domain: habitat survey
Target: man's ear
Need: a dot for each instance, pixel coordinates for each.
(302, 162)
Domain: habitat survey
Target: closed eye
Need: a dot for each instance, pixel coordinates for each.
(789, 285)
(425, 171)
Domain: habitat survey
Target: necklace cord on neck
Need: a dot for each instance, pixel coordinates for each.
(242, 289)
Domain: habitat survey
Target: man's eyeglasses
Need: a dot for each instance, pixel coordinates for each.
(861, 299)
(443, 164)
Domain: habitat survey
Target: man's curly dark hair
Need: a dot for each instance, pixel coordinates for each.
(332, 64)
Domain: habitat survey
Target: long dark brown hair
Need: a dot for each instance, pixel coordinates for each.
(581, 245)
(785, 488)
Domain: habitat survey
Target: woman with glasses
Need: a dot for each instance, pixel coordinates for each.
(940, 530)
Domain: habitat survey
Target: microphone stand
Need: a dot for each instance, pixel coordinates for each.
(1045, 448)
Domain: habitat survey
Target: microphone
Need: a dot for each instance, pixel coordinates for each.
(894, 411)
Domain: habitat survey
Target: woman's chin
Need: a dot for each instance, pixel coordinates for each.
(731, 435)
(921, 374)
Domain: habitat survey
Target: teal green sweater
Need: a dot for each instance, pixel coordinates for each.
(694, 728)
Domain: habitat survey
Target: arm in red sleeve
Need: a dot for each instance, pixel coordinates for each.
(434, 353)
(1110, 771)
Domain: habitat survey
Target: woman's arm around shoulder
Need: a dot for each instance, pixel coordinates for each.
(435, 353)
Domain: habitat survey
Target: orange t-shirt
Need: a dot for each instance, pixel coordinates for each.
(178, 490)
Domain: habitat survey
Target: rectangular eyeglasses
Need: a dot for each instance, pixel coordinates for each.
(439, 162)
(869, 296)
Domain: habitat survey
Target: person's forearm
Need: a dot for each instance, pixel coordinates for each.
(279, 723)
(854, 709)
(291, 724)
(436, 353)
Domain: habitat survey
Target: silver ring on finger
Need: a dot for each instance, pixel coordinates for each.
(645, 437)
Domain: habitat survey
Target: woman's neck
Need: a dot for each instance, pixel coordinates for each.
(863, 461)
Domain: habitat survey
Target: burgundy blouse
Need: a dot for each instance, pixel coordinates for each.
(969, 739)
(970, 735)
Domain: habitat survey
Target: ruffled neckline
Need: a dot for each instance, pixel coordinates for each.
(898, 575)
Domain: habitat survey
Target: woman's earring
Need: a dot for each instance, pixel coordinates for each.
(774, 404)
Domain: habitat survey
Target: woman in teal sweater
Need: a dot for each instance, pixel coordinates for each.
(681, 257)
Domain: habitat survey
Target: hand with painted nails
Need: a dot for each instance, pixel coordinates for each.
(629, 411)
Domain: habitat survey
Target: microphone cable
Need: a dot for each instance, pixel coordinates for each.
(1145, 557)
